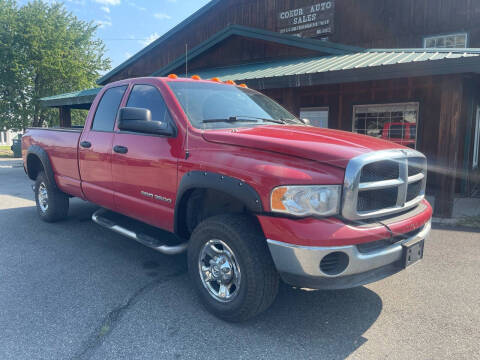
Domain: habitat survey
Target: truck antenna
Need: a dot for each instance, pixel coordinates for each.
(187, 151)
(186, 59)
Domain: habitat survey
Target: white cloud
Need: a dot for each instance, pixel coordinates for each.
(150, 39)
(103, 23)
(77, 2)
(109, 2)
(162, 16)
(132, 4)
(106, 9)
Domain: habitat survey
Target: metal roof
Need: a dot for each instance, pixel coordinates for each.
(77, 99)
(373, 64)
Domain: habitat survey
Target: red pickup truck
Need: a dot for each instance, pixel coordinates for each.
(252, 193)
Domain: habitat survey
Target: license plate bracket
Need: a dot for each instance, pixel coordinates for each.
(412, 252)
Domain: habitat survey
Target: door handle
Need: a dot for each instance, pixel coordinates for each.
(120, 149)
(86, 144)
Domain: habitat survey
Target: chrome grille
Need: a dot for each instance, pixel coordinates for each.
(383, 182)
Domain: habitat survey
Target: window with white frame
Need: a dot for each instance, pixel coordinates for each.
(446, 41)
(392, 122)
(318, 116)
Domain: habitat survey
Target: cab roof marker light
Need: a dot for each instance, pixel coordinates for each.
(243, 86)
(173, 76)
(230, 82)
(216, 79)
(196, 77)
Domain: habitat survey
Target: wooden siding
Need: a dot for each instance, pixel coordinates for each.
(239, 50)
(366, 23)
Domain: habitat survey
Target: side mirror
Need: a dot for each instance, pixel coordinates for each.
(140, 120)
(306, 121)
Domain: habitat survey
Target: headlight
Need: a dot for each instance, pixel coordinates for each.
(320, 200)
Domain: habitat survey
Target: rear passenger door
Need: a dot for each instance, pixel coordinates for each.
(145, 172)
(95, 149)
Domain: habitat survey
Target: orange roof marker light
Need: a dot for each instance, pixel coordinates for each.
(244, 86)
(172, 76)
(230, 82)
(216, 79)
(196, 77)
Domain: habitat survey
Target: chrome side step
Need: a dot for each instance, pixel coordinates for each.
(143, 239)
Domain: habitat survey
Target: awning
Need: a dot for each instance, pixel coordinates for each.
(376, 64)
(74, 100)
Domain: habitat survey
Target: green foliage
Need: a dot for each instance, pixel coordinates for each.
(44, 50)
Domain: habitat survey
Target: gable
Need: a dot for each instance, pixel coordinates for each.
(240, 44)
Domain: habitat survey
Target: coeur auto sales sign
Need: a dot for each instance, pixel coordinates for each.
(314, 20)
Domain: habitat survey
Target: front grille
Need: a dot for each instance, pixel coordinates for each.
(415, 166)
(377, 199)
(383, 183)
(414, 190)
(378, 171)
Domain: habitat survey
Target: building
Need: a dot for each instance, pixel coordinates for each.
(405, 70)
(7, 136)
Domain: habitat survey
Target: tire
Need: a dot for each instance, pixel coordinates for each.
(250, 263)
(52, 204)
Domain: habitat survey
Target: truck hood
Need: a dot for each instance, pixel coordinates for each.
(323, 145)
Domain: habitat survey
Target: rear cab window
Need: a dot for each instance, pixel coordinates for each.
(107, 109)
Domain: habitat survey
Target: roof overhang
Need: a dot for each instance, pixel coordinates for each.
(373, 64)
(75, 100)
(365, 66)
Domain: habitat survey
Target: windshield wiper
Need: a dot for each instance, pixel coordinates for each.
(231, 119)
(245, 118)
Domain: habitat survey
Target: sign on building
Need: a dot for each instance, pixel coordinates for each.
(310, 21)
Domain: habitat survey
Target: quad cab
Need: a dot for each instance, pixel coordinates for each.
(252, 193)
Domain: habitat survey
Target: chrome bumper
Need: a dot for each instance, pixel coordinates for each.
(300, 265)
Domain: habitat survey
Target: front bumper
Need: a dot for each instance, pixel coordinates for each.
(300, 265)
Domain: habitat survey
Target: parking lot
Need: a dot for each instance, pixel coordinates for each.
(74, 290)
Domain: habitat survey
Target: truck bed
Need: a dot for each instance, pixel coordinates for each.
(61, 145)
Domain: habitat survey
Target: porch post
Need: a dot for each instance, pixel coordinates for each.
(65, 117)
(446, 164)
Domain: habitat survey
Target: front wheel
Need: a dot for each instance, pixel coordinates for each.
(52, 204)
(231, 267)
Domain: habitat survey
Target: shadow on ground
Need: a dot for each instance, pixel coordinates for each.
(154, 305)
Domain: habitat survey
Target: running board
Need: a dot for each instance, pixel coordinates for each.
(143, 239)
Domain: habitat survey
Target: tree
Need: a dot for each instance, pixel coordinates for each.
(44, 50)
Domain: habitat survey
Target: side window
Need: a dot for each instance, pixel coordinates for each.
(148, 97)
(107, 109)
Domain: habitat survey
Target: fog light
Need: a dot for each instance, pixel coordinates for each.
(334, 263)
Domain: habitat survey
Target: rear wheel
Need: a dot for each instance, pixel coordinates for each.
(231, 267)
(52, 204)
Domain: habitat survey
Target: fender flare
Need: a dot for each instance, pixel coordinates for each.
(234, 187)
(42, 155)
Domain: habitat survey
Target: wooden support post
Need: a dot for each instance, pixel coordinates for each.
(446, 164)
(65, 117)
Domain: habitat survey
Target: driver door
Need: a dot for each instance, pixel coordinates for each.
(144, 166)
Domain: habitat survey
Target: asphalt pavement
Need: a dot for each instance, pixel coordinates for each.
(73, 290)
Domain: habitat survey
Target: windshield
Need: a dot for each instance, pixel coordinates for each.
(220, 106)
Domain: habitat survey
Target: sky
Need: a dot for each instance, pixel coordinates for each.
(127, 26)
